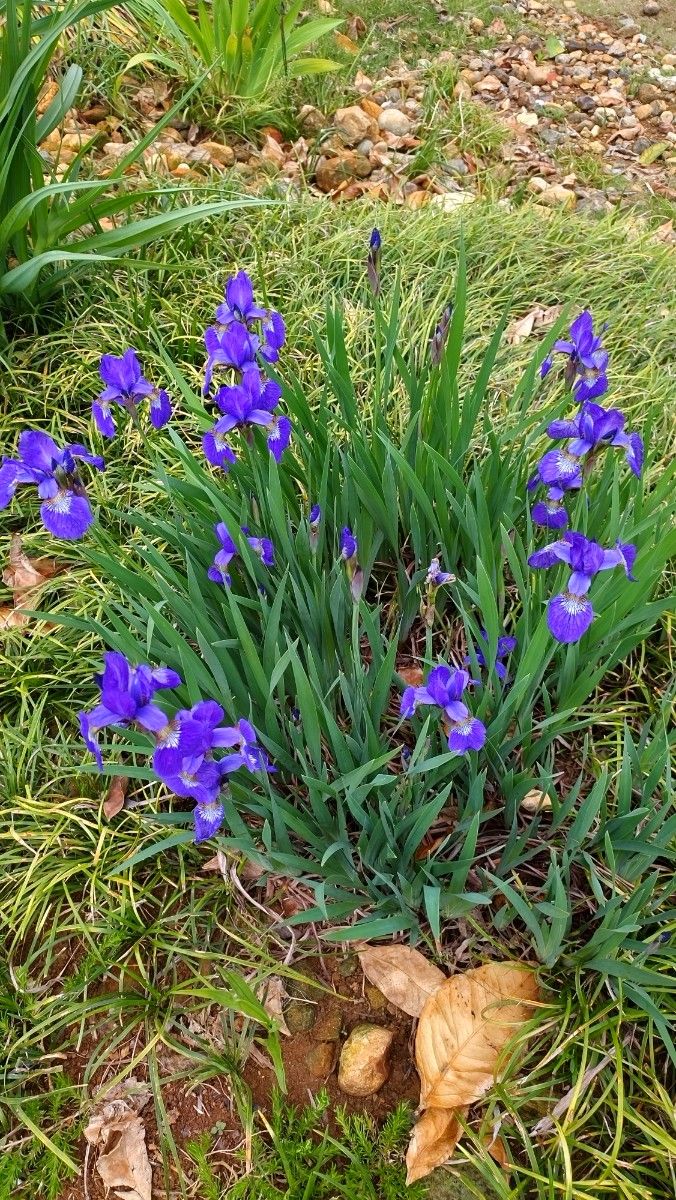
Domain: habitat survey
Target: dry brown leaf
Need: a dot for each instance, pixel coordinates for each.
(119, 1133)
(402, 974)
(497, 1150)
(273, 994)
(537, 319)
(114, 801)
(412, 676)
(535, 801)
(11, 618)
(25, 576)
(346, 43)
(325, 7)
(464, 1026)
(355, 27)
(433, 1141)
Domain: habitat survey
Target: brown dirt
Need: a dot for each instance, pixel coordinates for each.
(339, 995)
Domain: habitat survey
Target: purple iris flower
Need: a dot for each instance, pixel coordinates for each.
(126, 386)
(184, 761)
(314, 518)
(551, 512)
(444, 688)
(249, 402)
(234, 346)
(239, 302)
(65, 509)
(263, 547)
(273, 330)
(218, 571)
(558, 469)
(126, 699)
(595, 427)
(217, 448)
(586, 370)
(436, 577)
(279, 436)
(504, 648)
(570, 613)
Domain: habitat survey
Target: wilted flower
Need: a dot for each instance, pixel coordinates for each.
(126, 699)
(434, 579)
(594, 428)
(444, 687)
(570, 613)
(438, 339)
(65, 509)
(373, 261)
(586, 370)
(184, 760)
(126, 386)
(504, 647)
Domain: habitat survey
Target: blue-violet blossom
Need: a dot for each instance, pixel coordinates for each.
(53, 470)
(594, 428)
(570, 613)
(444, 688)
(126, 698)
(126, 386)
(586, 370)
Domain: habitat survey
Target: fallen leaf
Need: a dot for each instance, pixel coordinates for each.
(554, 46)
(118, 1132)
(218, 863)
(535, 801)
(403, 975)
(464, 1026)
(412, 676)
(498, 1151)
(433, 1140)
(652, 153)
(537, 319)
(114, 801)
(273, 994)
(665, 232)
(346, 43)
(325, 7)
(11, 618)
(356, 27)
(25, 576)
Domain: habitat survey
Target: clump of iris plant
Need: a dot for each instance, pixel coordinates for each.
(570, 613)
(126, 386)
(444, 688)
(54, 471)
(586, 370)
(185, 744)
(244, 335)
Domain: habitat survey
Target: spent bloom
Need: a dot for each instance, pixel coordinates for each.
(313, 520)
(444, 688)
(54, 471)
(570, 613)
(503, 649)
(348, 552)
(438, 339)
(434, 579)
(587, 367)
(126, 386)
(593, 429)
(126, 699)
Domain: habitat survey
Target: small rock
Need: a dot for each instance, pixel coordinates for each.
(224, 155)
(628, 121)
(476, 24)
(537, 185)
(540, 75)
(647, 92)
(370, 108)
(594, 204)
(644, 111)
(462, 90)
(558, 196)
(651, 8)
(353, 125)
(609, 98)
(365, 147)
(320, 1059)
(456, 166)
(528, 119)
(489, 83)
(617, 49)
(393, 121)
(364, 1060)
(551, 137)
(628, 135)
(328, 1028)
(669, 60)
(452, 200)
(586, 103)
(299, 1016)
(331, 172)
(311, 120)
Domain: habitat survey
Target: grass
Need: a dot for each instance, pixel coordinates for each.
(100, 957)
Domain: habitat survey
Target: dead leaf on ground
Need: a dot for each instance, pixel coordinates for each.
(346, 43)
(535, 801)
(118, 1132)
(433, 1141)
(25, 576)
(273, 994)
(498, 1151)
(464, 1026)
(412, 676)
(218, 863)
(355, 27)
(114, 801)
(402, 974)
(537, 319)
